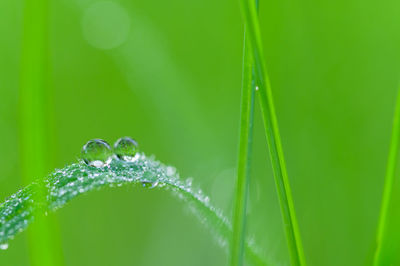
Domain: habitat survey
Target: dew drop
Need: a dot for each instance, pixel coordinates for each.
(126, 149)
(97, 153)
(4, 246)
(148, 184)
(170, 171)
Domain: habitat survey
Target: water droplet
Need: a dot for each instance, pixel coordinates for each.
(97, 153)
(126, 149)
(189, 182)
(148, 184)
(170, 170)
(4, 246)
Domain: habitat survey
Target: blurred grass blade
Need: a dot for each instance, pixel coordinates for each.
(243, 168)
(76, 179)
(381, 258)
(34, 124)
(273, 137)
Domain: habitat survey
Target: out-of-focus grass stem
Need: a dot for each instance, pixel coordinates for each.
(388, 187)
(35, 123)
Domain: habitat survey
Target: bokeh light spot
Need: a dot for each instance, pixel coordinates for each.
(105, 25)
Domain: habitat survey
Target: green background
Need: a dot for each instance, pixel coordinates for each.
(168, 73)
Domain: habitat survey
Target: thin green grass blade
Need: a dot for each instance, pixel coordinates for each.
(243, 168)
(380, 258)
(22, 208)
(34, 105)
(273, 136)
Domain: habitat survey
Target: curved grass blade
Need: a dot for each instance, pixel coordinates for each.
(273, 137)
(386, 252)
(22, 208)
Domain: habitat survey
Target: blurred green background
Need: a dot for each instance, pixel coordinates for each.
(168, 73)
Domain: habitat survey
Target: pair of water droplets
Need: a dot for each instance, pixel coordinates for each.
(98, 152)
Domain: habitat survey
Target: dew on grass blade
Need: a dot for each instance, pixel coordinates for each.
(149, 180)
(63, 185)
(97, 153)
(126, 149)
(147, 184)
(3, 246)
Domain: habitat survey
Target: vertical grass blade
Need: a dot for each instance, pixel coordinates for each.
(273, 136)
(243, 167)
(34, 117)
(380, 258)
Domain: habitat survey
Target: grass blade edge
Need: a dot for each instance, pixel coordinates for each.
(243, 166)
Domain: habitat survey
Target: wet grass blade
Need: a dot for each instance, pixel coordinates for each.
(35, 114)
(273, 136)
(243, 167)
(387, 199)
(22, 208)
